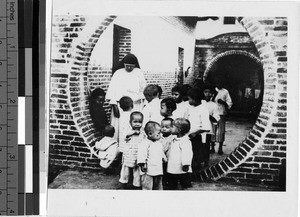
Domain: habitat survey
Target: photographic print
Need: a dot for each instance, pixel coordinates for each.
(163, 106)
(169, 99)
(240, 61)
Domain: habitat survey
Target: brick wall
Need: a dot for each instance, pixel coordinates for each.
(67, 145)
(206, 51)
(124, 43)
(259, 158)
(71, 130)
(256, 160)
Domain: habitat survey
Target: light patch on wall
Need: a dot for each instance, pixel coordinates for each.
(216, 27)
(103, 51)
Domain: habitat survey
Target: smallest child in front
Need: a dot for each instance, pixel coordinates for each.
(180, 156)
(134, 138)
(107, 148)
(151, 157)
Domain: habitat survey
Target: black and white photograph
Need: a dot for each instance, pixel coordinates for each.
(167, 102)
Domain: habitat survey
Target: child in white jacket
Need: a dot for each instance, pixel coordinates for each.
(179, 156)
(151, 157)
(107, 147)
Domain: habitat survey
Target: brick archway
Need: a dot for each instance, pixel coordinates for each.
(262, 131)
(78, 85)
(228, 53)
(262, 127)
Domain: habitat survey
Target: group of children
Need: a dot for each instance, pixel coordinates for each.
(168, 141)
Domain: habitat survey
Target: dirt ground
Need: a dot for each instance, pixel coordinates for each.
(74, 179)
(236, 131)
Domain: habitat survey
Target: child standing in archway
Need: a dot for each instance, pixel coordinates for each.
(224, 103)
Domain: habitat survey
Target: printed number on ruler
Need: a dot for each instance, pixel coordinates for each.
(8, 107)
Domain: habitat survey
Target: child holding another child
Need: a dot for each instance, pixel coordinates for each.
(130, 169)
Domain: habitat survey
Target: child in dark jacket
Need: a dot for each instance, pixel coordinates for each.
(97, 112)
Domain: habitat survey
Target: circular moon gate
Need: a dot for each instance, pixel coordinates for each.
(78, 94)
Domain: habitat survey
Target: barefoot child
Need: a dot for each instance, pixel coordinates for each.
(151, 157)
(135, 137)
(179, 156)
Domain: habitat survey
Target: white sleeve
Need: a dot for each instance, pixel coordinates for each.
(142, 152)
(142, 83)
(113, 93)
(228, 100)
(205, 122)
(186, 152)
(215, 112)
(147, 114)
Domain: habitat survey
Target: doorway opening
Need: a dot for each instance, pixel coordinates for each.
(242, 76)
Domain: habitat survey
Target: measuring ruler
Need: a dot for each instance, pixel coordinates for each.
(8, 107)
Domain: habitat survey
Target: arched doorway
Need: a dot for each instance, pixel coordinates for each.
(260, 134)
(242, 76)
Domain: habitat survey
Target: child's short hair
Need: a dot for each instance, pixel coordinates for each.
(160, 91)
(170, 103)
(178, 88)
(208, 87)
(136, 113)
(183, 125)
(196, 94)
(185, 89)
(168, 119)
(151, 90)
(97, 92)
(126, 103)
(150, 126)
(109, 131)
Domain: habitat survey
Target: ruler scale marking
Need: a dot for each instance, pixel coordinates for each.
(8, 107)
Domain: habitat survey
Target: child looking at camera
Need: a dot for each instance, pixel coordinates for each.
(182, 107)
(166, 131)
(179, 156)
(130, 169)
(151, 157)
